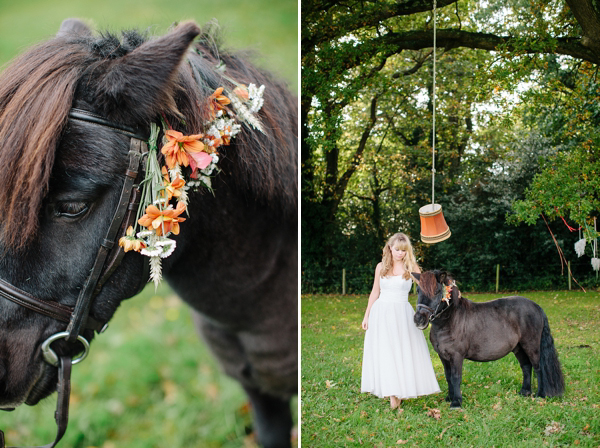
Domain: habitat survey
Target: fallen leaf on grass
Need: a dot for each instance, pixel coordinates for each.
(553, 428)
(435, 413)
(497, 407)
(329, 384)
(401, 442)
(444, 431)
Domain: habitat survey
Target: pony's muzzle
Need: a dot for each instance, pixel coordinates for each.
(421, 320)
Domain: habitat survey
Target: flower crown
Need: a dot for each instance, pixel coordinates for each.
(448, 295)
(189, 162)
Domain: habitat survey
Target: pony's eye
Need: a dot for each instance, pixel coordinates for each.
(71, 209)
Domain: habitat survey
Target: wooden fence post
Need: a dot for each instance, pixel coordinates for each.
(497, 277)
(344, 281)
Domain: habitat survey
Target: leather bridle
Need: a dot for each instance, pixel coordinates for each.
(108, 258)
(434, 314)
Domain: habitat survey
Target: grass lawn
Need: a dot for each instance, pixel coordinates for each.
(335, 413)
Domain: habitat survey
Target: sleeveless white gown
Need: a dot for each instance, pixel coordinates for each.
(396, 358)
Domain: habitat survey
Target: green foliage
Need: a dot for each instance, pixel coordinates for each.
(517, 125)
(335, 413)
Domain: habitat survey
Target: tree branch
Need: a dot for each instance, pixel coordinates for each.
(323, 21)
(345, 178)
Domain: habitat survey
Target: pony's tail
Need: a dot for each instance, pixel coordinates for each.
(550, 379)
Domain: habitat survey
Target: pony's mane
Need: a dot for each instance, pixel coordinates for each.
(428, 283)
(38, 89)
(36, 93)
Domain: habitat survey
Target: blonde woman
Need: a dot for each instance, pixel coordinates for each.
(396, 361)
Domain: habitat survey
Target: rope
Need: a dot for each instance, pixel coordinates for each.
(433, 139)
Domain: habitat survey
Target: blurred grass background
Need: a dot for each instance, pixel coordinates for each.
(149, 381)
(268, 27)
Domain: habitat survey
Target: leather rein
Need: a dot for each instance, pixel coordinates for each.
(107, 259)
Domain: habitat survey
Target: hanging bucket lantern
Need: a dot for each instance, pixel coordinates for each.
(433, 225)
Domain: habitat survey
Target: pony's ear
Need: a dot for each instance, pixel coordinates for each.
(416, 275)
(73, 26)
(137, 86)
(441, 277)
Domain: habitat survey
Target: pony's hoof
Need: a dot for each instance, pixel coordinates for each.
(525, 393)
(455, 406)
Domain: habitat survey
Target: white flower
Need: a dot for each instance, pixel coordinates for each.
(255, 95)
(206, 181)
(151, 251)
(160, 201)
(596, 264)
(580, 247)
(167, 246)
(144, 234)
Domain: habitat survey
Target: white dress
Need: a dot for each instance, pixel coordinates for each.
(396, 358)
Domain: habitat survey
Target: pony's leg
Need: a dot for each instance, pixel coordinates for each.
(456, 365)
(272, 419)
(272, 416)
(447, 373)
(532, 351)
(526, 366)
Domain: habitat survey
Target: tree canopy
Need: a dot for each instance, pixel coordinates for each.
(517, 136)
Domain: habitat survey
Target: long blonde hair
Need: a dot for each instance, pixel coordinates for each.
(401, 242)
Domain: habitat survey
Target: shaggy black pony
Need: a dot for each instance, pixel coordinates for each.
(60, 182)
(461, 329)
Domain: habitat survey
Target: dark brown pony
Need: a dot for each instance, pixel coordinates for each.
(461, 329)
(60, 181)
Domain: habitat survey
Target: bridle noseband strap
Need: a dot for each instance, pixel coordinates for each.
(54, 310)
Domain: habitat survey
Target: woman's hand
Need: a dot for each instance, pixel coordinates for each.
(365, 323)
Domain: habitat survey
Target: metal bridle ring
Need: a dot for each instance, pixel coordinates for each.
(50, 355)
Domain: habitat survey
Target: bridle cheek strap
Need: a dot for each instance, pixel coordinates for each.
(93, 283)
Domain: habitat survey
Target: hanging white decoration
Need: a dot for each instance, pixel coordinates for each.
(580, 247)
(596, 264)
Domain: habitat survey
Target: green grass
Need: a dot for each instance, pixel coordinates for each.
(270, 28)
(335, 413)
(149, 381)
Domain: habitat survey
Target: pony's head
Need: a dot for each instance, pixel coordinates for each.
(61, 180)
(436, 292)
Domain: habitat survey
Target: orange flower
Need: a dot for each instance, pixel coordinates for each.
(173, 189)
(218, 101)
(159, 220)
(129, 242)
(241, 91)
(179, 147)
